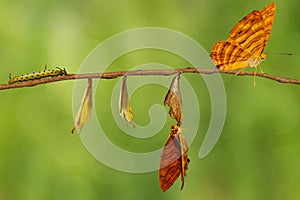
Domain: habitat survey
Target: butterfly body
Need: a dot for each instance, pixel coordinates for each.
(247, 41)
(254, 62)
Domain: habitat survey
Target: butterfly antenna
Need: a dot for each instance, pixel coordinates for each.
(282, 54)
(185, 129)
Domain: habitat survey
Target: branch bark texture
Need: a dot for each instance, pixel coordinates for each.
(164, 72)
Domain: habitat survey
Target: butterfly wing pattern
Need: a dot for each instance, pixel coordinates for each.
(247, 41)
(174, 159)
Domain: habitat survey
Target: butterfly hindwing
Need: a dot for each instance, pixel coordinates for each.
(227, 55)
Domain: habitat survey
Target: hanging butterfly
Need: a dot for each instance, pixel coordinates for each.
(174, 159)
(246, 42)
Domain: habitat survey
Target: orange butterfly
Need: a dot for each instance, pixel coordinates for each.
(246, 42)
(174, 159)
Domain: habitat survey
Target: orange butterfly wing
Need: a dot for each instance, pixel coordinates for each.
(268, 14)
(246, 41)
(174, 160)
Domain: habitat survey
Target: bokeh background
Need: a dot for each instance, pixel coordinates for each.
(256, 157)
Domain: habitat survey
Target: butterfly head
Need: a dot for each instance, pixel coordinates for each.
(263, 56)
(175, 129)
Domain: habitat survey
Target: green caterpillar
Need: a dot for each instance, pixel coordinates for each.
(38, 75)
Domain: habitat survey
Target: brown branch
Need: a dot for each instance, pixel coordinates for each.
(164, 72)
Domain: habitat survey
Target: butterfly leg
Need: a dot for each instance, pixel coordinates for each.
(255, 76)
(241, 70)
(261, 71)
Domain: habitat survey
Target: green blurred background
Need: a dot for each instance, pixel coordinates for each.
(257, 156)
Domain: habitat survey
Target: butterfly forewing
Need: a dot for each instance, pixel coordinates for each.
(249, 34)
(268, 14)
(170, 164)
